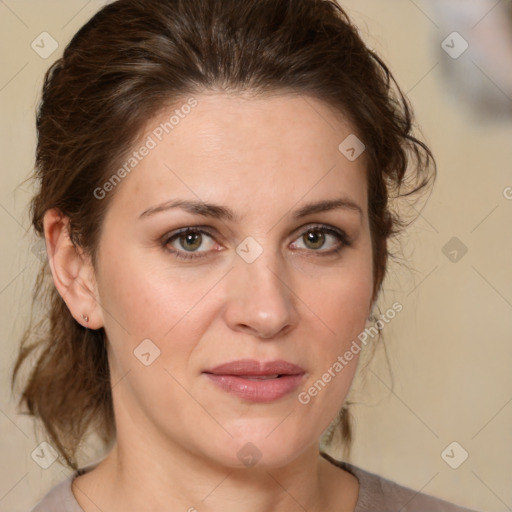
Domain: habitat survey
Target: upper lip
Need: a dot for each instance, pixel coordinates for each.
(253, 368)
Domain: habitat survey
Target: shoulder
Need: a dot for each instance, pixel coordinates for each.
(59, 499)
(378, 494)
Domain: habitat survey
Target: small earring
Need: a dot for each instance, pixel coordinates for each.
(84, 317)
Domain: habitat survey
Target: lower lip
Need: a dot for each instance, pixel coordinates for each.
(266, 390)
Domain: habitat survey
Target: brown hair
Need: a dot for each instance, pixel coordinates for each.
(119, 70)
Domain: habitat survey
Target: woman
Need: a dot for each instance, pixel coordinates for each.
(205, 316)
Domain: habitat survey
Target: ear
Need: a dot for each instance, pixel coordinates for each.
(72, 270)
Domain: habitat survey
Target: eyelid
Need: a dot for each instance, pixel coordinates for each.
(199, 228)
(326, 227)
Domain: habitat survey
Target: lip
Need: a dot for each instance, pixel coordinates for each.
(235, 378)
(253, 368)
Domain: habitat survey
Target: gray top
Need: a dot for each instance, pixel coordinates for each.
(376, 494)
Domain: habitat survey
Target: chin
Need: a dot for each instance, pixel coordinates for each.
(259, 450)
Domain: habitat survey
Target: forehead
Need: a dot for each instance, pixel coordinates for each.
(243, 150)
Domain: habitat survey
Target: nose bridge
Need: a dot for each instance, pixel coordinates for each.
(260, 299)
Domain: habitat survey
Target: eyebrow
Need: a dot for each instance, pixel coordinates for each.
(223, 213)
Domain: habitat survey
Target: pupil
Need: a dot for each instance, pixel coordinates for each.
(316, 238)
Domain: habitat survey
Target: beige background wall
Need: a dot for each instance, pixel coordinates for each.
(450, 348)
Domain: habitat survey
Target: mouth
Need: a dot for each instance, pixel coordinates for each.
(256, 381)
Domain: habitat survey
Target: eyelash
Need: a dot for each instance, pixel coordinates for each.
(183, 255)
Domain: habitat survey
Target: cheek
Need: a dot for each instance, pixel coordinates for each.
(163, 304)
(344, 310)
(146, 299)
(343, 307)
(341, 302)
(349, 305)
(342, 298)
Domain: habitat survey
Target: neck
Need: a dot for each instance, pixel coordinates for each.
(137, 477)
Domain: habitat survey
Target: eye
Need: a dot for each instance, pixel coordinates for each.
(184, 244)
(316, 237)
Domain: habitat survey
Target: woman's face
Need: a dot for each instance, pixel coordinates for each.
(262, 276)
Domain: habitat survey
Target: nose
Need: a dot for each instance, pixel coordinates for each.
(261, 300)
